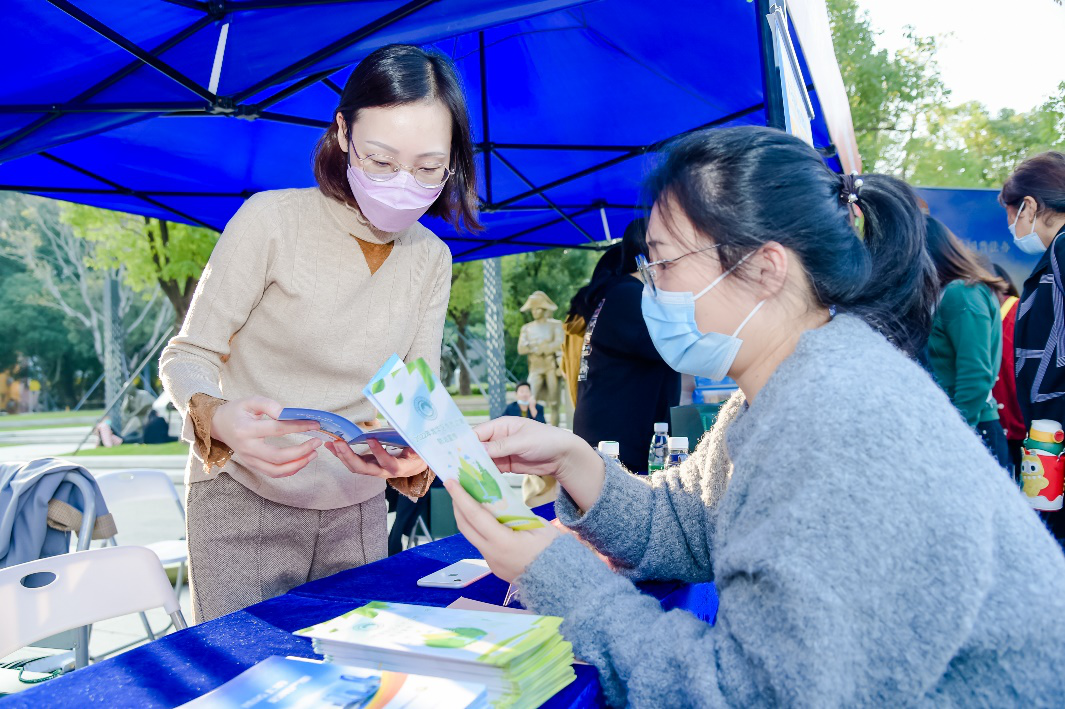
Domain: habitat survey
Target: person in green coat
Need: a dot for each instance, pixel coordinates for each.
(965, 347)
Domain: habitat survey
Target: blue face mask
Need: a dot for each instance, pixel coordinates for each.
(670, 318)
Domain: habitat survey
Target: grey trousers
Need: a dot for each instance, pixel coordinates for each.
(244, 549)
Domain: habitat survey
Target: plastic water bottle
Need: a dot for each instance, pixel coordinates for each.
(678, 450)
(611, 449)
(656, 457)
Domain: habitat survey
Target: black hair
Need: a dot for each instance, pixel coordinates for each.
(956, 262)
(1041, 177)
(619, 259)
(522, 384)
(743, 187)
(1011, 287)
(394, 75)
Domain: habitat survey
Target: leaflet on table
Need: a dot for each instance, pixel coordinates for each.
(419, 407)
(335, 427)
(285, 682)
(442, 634)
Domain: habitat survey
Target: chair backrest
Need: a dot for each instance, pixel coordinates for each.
(137, 486)
(88, 586)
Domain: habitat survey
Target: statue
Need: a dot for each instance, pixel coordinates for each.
(541, 341)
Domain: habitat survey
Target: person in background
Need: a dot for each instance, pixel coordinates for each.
(965, 347)
(525, 406)
(1005, 389)
(624, 387)
(157, 430)
(866, 549)
(135, 408)
(1034, 198)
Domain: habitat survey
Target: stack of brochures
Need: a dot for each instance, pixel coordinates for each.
(290, 683)
(521, 659)
(424, 414)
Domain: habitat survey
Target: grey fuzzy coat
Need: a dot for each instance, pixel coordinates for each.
(867, 551)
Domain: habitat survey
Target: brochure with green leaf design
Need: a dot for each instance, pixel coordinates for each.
(419, 407)
(521, 659)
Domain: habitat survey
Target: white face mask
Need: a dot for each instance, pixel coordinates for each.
(1030, 243)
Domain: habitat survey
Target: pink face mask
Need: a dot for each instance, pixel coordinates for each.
(394, 205)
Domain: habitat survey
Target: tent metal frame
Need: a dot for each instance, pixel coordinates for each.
(236, 106)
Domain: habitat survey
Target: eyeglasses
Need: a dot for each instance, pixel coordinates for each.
(648, 272)
(382, 168)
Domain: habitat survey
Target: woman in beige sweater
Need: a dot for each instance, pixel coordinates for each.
(305, 296)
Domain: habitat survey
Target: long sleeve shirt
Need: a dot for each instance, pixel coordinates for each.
(867, 551)
(965, 349)
(288, 308)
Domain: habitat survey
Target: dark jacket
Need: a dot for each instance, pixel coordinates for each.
(1039, 339)
(514, 409)
(1039, 342)
(624, 387)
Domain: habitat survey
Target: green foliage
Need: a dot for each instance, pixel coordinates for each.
(905, 126)
(140, 247)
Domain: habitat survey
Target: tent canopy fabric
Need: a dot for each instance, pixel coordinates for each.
(976, 217)
(181, 109)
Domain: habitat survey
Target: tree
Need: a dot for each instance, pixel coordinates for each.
(904, 125)
(891, 97)
(465, 308)
(152, 253)
(967, 147)
(59, 271)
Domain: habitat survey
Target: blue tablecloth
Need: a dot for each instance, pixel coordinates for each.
(184, 665)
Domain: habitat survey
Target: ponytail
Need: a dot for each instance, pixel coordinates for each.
(750, 185)
(898, 296)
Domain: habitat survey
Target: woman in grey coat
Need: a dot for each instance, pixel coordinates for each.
(867, 549)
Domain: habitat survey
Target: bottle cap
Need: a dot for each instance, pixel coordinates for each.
(678, 442)
(609, 448)
(661, 428)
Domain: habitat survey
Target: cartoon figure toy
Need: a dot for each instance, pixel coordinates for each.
(1043, 466)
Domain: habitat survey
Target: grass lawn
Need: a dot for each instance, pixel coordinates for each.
(51, 416)
(175, 448)
(43, 424)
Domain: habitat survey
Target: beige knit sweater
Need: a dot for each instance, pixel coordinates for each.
(287, 308)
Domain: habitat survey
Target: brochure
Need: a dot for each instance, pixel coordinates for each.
(420, 409)
(291, 683)
(521, 659)
(335, 427)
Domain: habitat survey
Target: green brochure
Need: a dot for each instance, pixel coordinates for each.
(420, 409)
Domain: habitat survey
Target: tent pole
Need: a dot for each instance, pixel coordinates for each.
(125, 190)
(109, 81)
(774, 98)
(517, 235)
(495, 355)
(146, 57)
(547, 199)
(636, 152)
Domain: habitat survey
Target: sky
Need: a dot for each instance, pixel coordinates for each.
(1002, 53)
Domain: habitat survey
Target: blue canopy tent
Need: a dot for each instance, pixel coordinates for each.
(180, 109)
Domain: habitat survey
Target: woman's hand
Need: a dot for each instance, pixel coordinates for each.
(508, 552)
(521, 445)
(241, 426)
(380, 463)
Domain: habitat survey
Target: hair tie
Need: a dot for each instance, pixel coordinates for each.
(850, 185)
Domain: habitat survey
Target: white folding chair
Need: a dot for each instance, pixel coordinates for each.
(44, 597)
(123, 486)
